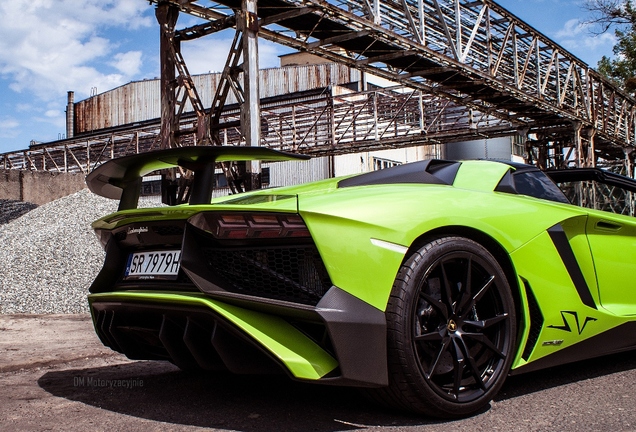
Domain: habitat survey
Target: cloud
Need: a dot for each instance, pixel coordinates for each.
(53, 113)
(576, 36)
(9, 123)
(269, 52)
(22, 107)
(210, 54)
(128, 63)
(50, 46)
(9, 127)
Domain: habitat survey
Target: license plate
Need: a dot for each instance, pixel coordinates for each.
(153, 265)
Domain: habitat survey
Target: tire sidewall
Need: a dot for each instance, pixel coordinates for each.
(403, 303)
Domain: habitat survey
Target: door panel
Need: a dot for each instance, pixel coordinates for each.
(612, 241)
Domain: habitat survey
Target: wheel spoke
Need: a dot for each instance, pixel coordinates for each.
(447, 289)
(485, 341)
(458, 360)
(472, 366)
(482, 291)
(429, 337)
(437, 304)
(484, 324)
(442, 350)
(467, 291)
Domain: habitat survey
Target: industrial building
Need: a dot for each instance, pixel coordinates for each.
(312, 107)
(370, 87)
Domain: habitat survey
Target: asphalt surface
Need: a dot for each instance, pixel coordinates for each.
(56, 375)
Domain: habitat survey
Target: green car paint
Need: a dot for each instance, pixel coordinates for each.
(479, 175)
(612, 240)
(539, 264)
(343, 222)
(302, 357)
(569, 267)
(342, 233)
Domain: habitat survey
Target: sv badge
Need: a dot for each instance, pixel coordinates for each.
(566, 325)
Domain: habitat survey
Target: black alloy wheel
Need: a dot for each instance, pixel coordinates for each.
(451, 328)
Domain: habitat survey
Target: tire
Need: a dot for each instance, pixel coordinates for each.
(451, 327)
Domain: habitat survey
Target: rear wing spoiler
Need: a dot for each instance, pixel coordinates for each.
(121, 178)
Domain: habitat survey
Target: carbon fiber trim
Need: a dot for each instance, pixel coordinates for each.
(189, 337)
(618, 339)
(134, 237)
(358, 334)
(536, 321)
(562, 245)
(433, 171)
(195, 337)
(288, 270)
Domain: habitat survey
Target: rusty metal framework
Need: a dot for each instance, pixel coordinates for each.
(317, 122)
(463, 69)
(473, 53)
(600, 196)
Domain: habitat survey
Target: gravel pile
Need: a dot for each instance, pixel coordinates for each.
(12, 209)
(50, 255)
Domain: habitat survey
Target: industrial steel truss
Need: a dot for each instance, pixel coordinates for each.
(463, 69)
(600, 196)
(473, 53)
(319, 122)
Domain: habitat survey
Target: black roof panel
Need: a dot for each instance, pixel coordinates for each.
(432, 171)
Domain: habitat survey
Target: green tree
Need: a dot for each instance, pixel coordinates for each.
(622, 68)
(619, 15)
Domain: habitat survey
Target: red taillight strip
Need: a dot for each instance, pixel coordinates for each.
(234, 226)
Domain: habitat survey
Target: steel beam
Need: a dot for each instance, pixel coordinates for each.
(250, 111)
(167, 15)
(479, 42)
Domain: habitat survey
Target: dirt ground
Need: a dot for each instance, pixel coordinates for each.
(56, 375)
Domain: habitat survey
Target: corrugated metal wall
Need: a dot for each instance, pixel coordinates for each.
(141, 100)
(289, 173)
(128, 104)
(356, 163)
(296, 172)
(492, 148)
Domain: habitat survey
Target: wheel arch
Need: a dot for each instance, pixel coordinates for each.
(497, 251)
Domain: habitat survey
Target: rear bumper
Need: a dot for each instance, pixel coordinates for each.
(342, 340)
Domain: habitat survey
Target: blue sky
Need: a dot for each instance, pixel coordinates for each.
(48, 47)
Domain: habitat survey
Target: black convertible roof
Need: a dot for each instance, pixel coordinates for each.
(592, 174)
(432, 171)
(121, 178)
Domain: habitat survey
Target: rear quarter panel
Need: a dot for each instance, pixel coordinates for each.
(344, 221)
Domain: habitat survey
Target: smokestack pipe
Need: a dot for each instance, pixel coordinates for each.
(70, 115)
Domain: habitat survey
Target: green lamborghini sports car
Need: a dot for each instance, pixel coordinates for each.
(426, 284)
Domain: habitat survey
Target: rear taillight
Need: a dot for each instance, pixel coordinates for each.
(235, 226)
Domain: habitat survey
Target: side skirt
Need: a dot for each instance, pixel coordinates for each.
(618, 339)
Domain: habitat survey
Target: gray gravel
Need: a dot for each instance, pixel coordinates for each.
(50, 255)
(12, 209)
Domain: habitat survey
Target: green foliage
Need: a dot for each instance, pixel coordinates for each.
(622, 68)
